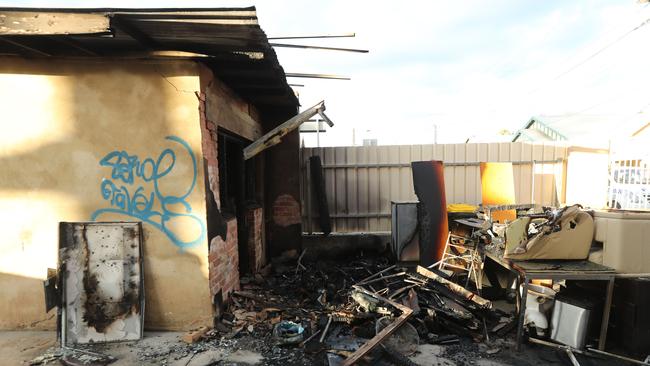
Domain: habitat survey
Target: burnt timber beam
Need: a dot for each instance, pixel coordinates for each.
(274, 136)
(455, 288)
(390, 329)
(184, 16)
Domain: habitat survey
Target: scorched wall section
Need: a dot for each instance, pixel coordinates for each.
(222, 111)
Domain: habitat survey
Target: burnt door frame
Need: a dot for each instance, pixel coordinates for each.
(238, 188)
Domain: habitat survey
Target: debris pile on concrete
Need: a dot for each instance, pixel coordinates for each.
(363, 310)
(72, 356)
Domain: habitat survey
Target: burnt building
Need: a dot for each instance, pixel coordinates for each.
(112, 115)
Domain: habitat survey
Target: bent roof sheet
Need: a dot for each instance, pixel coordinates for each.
(581, 127)
(228, 40)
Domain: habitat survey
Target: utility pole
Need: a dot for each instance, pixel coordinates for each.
(435, 134)
(318, 132)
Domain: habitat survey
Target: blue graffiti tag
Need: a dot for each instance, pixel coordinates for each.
(133, 201)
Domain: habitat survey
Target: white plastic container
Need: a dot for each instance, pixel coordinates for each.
(538, 305)
(626, 239)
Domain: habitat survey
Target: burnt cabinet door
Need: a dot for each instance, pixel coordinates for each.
(103, 298)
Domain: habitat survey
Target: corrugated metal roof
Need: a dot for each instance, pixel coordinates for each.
(579, 128)
(228, 40)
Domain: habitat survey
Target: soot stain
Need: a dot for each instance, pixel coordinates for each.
(101, 312)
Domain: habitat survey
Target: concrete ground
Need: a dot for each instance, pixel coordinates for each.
(166, 348)
(20, 347)
(16, 347)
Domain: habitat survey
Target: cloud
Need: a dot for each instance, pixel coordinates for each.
(468, 71)
(470, 67)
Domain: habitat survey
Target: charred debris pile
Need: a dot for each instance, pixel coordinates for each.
(360, 311)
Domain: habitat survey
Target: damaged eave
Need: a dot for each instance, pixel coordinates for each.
(16, 23)
(274, 136)
(227, 40)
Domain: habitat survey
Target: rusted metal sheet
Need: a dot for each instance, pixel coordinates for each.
(429, 184)
(103, 289)
(498, 188)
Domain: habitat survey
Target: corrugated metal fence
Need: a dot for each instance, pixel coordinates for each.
(361, 181)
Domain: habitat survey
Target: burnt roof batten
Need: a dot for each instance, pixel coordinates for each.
(130, 30)
(25, 47)
(74, 44)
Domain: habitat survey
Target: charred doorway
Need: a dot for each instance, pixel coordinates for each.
(238, 188)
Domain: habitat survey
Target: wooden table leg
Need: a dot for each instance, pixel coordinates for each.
(606, 309)
(522, 311)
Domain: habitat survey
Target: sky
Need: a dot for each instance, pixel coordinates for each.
(465, 69)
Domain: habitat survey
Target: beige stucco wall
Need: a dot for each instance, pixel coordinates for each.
(58, 120)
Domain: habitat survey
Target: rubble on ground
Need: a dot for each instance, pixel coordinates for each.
(324, 312)
(341, 306)
(72, 357)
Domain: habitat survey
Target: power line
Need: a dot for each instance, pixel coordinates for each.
(602, 49)
(343, 35)
(288, 45)
(566, 116)
(580, 112)
(510, 60)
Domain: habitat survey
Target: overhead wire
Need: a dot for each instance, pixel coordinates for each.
(601, 50)
(645, 22)
(587, 59)
(584, 61)
(618, 96)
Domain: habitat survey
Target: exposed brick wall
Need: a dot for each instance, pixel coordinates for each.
(209, 140)
(255, 245)
(223, 254)
(224, 262)
(282, 191)
(286, 210)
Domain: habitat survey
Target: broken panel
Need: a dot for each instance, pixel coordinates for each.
(405, 241)
(429, 184)
(103, 299)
